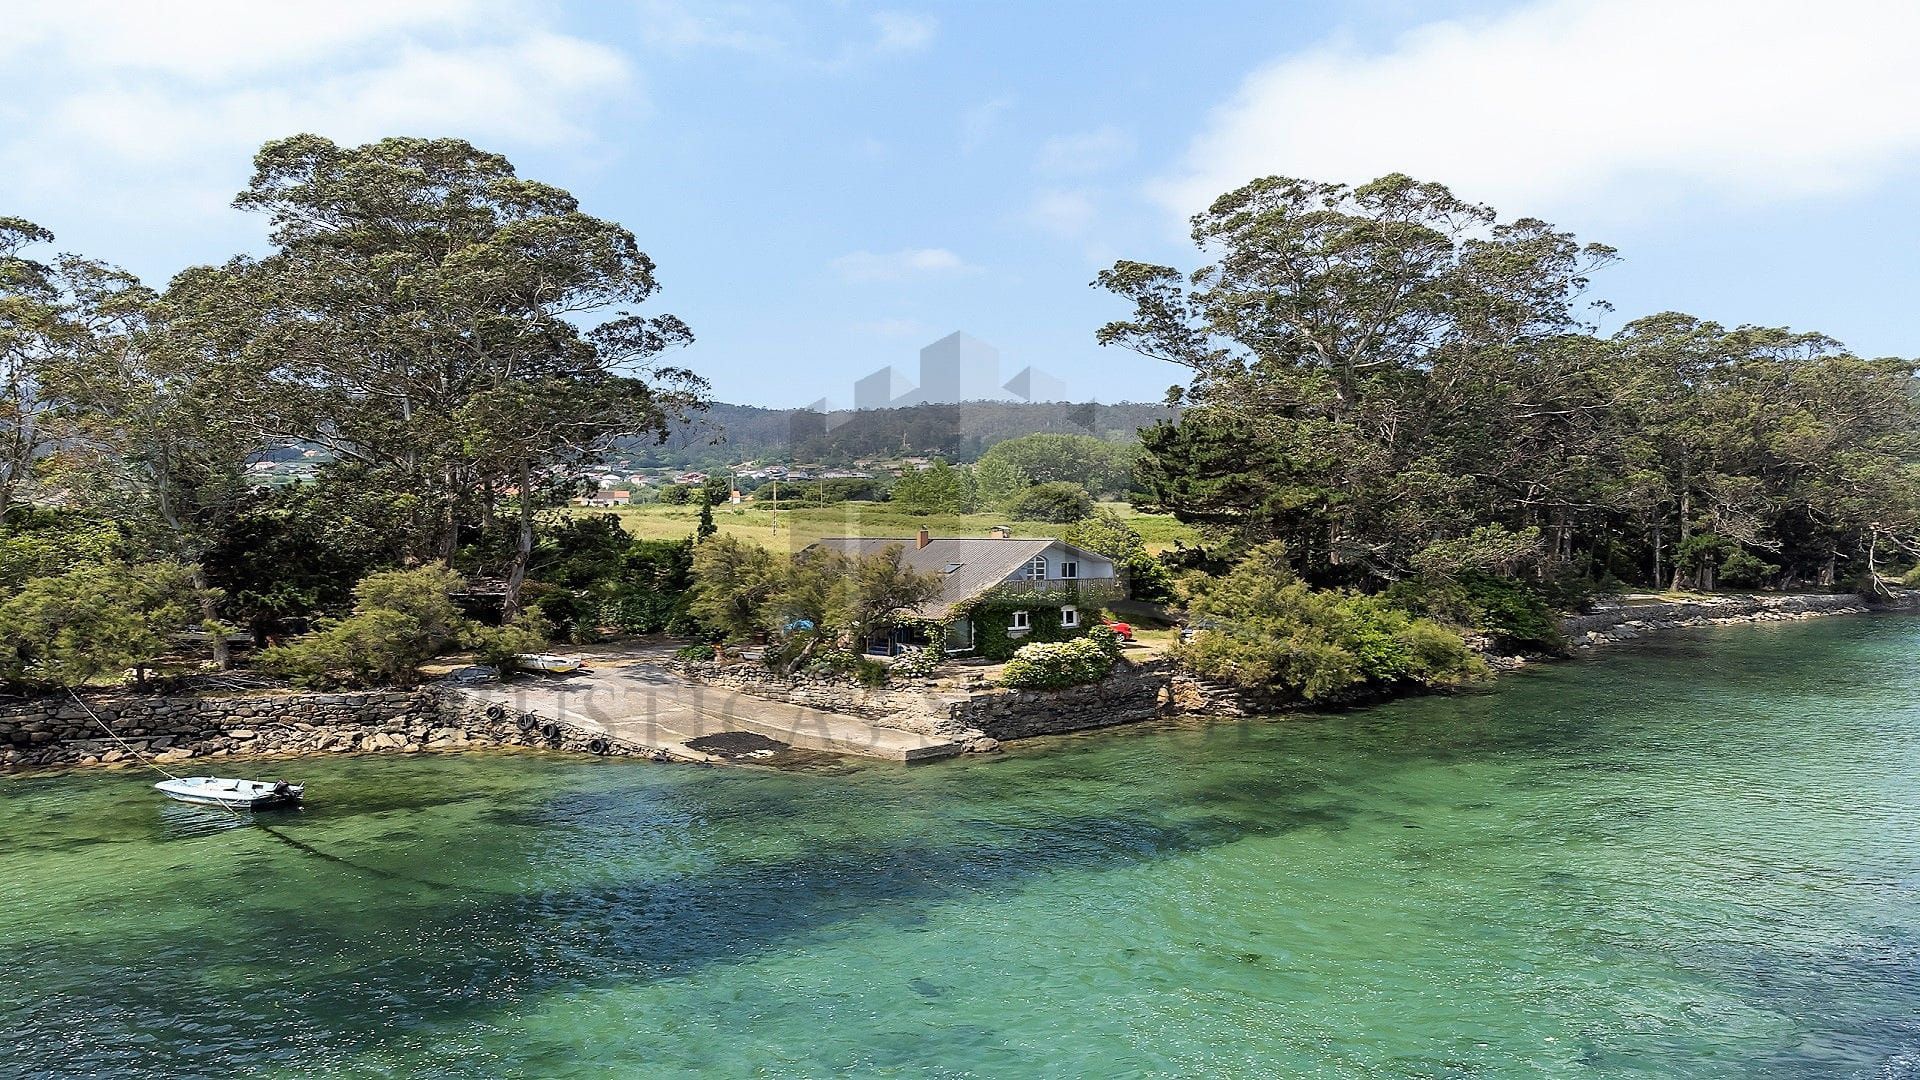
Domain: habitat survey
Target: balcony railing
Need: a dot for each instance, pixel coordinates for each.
(1089, 589)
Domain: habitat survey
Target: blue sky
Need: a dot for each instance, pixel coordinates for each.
(829, 186)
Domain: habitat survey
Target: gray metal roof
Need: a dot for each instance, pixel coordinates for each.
(984, 562)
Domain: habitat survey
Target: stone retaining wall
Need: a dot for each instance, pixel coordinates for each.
(829, 693)
(1132, 693)
(1624, 622)
(53, 732)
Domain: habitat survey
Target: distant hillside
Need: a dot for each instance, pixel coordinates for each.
(731, 433)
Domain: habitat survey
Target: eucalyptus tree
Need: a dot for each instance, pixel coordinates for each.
(1392, 380)
(31, 329)
(468, 335)
(1339, 339)
(153, 435)
(1775, 440)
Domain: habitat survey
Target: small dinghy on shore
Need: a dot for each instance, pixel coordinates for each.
(552, 663)
(232, 794)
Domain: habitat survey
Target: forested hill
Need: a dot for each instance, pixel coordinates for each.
(955, 432)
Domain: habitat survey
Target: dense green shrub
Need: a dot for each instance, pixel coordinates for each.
(1106, 639)
(1746, 570)
(1056, 665)
(844, 662)
(500, 647)
(918, 663)
(652, 589)
(1265, 629)
(590, 574)
(42, 542)
(1047, 457)
(870, 672)
(828, 492)
(1516, 614)
(93, 621)
(1059, 502)
(400, 620)
(940, 489)
(833, 662)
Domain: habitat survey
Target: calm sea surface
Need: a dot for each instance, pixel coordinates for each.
(1700, 857)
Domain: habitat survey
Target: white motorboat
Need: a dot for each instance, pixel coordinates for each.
(232, 794)
(550, 662)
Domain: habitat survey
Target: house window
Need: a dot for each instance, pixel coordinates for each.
(1069, 570)
(951, 567)
(1069, 617)
(1017, 623)
(1037, 569)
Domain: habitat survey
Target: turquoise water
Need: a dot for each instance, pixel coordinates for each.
(1695, 858)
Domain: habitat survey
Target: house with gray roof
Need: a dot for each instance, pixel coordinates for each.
(997, 592)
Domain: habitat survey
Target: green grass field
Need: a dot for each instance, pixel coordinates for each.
(790, 530)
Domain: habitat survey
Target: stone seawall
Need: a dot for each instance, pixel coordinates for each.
(1616, 622)
(56, 732)
(968, 706)
(1132, 693)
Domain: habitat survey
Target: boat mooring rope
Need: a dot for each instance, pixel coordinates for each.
(271, 831)
(131, 749)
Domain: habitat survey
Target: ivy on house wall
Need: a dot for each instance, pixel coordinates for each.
(992, 617)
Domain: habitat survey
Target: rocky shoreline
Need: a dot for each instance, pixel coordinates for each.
(55, 732)
(1617, 621)
(172, 729)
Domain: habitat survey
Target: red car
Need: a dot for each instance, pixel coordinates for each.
(1125, 630)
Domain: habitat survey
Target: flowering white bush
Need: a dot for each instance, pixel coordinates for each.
(1056, 665)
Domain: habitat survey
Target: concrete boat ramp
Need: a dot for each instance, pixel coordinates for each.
(636, 700)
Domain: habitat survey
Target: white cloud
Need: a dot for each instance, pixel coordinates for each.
(1063, 213)
(1085, 152)
(777, 30)
(213, 39)
(673, 24)
(1603, 105)
(520, 91)
(153, 111)
(897, 265)
(900, 31)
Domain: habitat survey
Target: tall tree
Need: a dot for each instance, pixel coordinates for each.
(30, 329)
(468, 334)
(153, 418)
(1325, 329)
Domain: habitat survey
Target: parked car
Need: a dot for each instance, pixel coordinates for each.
(1123, 630)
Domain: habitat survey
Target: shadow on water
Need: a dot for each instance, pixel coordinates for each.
(358, 867)
(579, 877)
(180, 821)
(523, 944)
